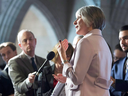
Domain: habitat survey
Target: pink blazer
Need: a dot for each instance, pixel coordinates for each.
(88, 73)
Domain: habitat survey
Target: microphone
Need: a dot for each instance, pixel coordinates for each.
(50, 56)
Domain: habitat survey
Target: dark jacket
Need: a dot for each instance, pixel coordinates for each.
(121, 85)
(6, 87)
(45, 80)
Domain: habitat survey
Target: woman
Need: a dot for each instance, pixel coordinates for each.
(88, 72)
(46, 80)
(57, 61)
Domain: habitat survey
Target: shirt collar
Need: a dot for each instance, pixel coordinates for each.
(29, 57)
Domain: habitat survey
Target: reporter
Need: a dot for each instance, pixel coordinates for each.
(7, 51)
(23, 65)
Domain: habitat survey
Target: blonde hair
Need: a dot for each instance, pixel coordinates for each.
(56, 53)
(69, 51)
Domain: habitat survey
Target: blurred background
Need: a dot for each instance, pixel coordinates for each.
(52, 20)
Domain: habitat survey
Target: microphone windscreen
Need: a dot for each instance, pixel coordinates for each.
(50, 55)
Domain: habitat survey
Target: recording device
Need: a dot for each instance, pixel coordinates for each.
(50, 56)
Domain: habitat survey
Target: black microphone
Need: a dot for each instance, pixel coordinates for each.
(50, 56)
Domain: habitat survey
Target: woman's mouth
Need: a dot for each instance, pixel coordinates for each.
(76, 26)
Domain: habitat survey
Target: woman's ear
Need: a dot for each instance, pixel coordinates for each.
(90, 28)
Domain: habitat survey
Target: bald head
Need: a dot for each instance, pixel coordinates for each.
(27, 42)
(21, 33)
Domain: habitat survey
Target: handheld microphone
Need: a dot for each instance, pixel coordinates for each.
(50, 56)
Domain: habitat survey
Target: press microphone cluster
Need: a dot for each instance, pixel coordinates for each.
(50, 56)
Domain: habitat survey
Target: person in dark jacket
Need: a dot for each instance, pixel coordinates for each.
(7, 51)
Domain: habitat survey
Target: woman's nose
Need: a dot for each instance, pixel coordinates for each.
(75, 22)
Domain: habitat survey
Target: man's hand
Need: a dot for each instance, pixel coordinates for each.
(31, 77)
(113, 80)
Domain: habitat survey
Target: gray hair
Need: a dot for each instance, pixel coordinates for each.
(92, 15)
(20, 34)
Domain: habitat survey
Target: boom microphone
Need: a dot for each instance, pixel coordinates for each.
(50, 56)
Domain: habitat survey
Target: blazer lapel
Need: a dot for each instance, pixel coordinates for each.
(126, 76)
(27, 62)
(121, 67)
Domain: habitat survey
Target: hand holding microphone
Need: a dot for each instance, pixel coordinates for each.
(31, 77)
(50, 56)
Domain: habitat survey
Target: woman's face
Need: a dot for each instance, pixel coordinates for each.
(81, 27)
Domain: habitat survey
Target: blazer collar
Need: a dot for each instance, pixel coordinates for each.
(26, 61)
(126, 76)
(23, 53)
(94, 32)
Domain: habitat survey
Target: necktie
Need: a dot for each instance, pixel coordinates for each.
(33, 64)
(125, 69)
